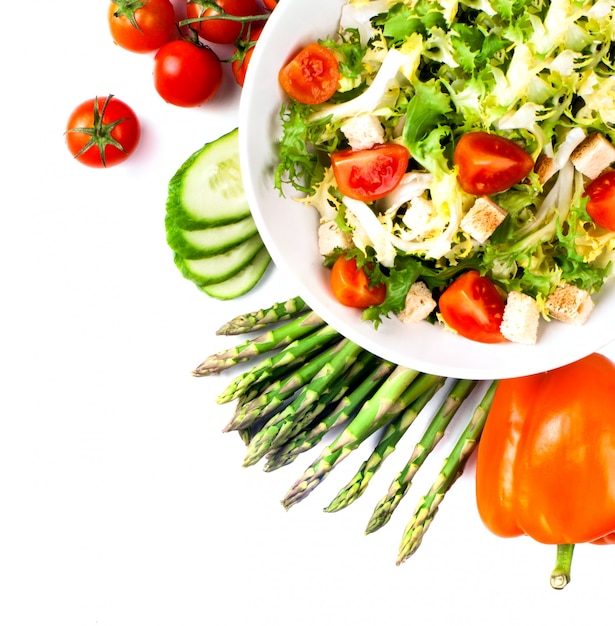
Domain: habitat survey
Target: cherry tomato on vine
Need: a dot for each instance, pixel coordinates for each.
(311, 76)
(601, 203)
(351, 286)
(186, 74)
(243, 54)
(489, 163)
(473, 307)
(270, 4)
(221, 30)
(141, 25)
(370, 174)
(102, 132)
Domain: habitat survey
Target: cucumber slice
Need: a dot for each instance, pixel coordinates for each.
(197, 244)
(243, 281)
(207, 190)
(220, 267)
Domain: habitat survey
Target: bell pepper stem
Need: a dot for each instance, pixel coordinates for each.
(560, 576)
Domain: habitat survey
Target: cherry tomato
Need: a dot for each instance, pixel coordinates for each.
(488, 163)
(312, 76)
(243, 54)
(102, 132)
(270, 4)
(221, 31)
(473, 307)
(141, 26)
(186, 74)
(372, 173)
(601, 203)
(350, 285)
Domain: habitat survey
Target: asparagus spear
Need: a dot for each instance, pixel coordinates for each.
(257, 320)
(271, 340)
(399, 487)
(451, 469)
(424, 389)
(347, 407)
(290, 356)
(275, 431)
(372, 416)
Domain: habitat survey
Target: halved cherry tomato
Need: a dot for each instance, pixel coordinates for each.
(221, 30)
(370, 174)
(601, 203)
(243, 54)
(473, 307)
(312, 76)
(350, 285)
(488, 163)
(141, 26)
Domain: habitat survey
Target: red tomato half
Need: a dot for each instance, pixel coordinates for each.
(351, 287)
(221, 30)
(489, 163)
(601, 203)
(102, 132)
(370, 174)
(186, 74)
(312, 76)
(473, 307)
(141, 26)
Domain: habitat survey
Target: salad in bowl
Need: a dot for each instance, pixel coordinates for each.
(436, 177)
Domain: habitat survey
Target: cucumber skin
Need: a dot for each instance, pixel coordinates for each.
(181, 214)
(244, 281)
(245, 251)
(178, 238)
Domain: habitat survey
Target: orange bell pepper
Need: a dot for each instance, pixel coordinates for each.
(546, 459)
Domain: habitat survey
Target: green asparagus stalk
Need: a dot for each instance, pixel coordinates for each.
(275, 395)
(424, 389)
(341, 413)
(290, 356)
(451, 469)
(373, 415)
(275, 431)
(271, 340)
(257, 320)
(434, 432)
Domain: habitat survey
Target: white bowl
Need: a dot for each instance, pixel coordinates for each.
(289, 231)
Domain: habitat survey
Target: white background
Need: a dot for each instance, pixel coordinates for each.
(122, 503)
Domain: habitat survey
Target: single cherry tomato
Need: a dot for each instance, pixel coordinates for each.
(488, 163)
(270, 4)
(473, 307)
(221, 30)
(186, 74)
(372, 173)
(601, 203)
(102, 132)
(312, 76)
(141, 26)
(350, 285)
(243, 54)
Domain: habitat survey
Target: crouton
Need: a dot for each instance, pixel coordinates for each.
(331, 238)
(419, 303)
(593, 155)
(570, 304)
(363, 131)
(521, 318)
(544, 167)
(482, 219)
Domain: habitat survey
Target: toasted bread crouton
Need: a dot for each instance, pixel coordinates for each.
(593, 155)
(544, 167)
(419, 303)
(482, 219)
(521, 318)
(363, 131)
(331, 238)
(570, 304)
